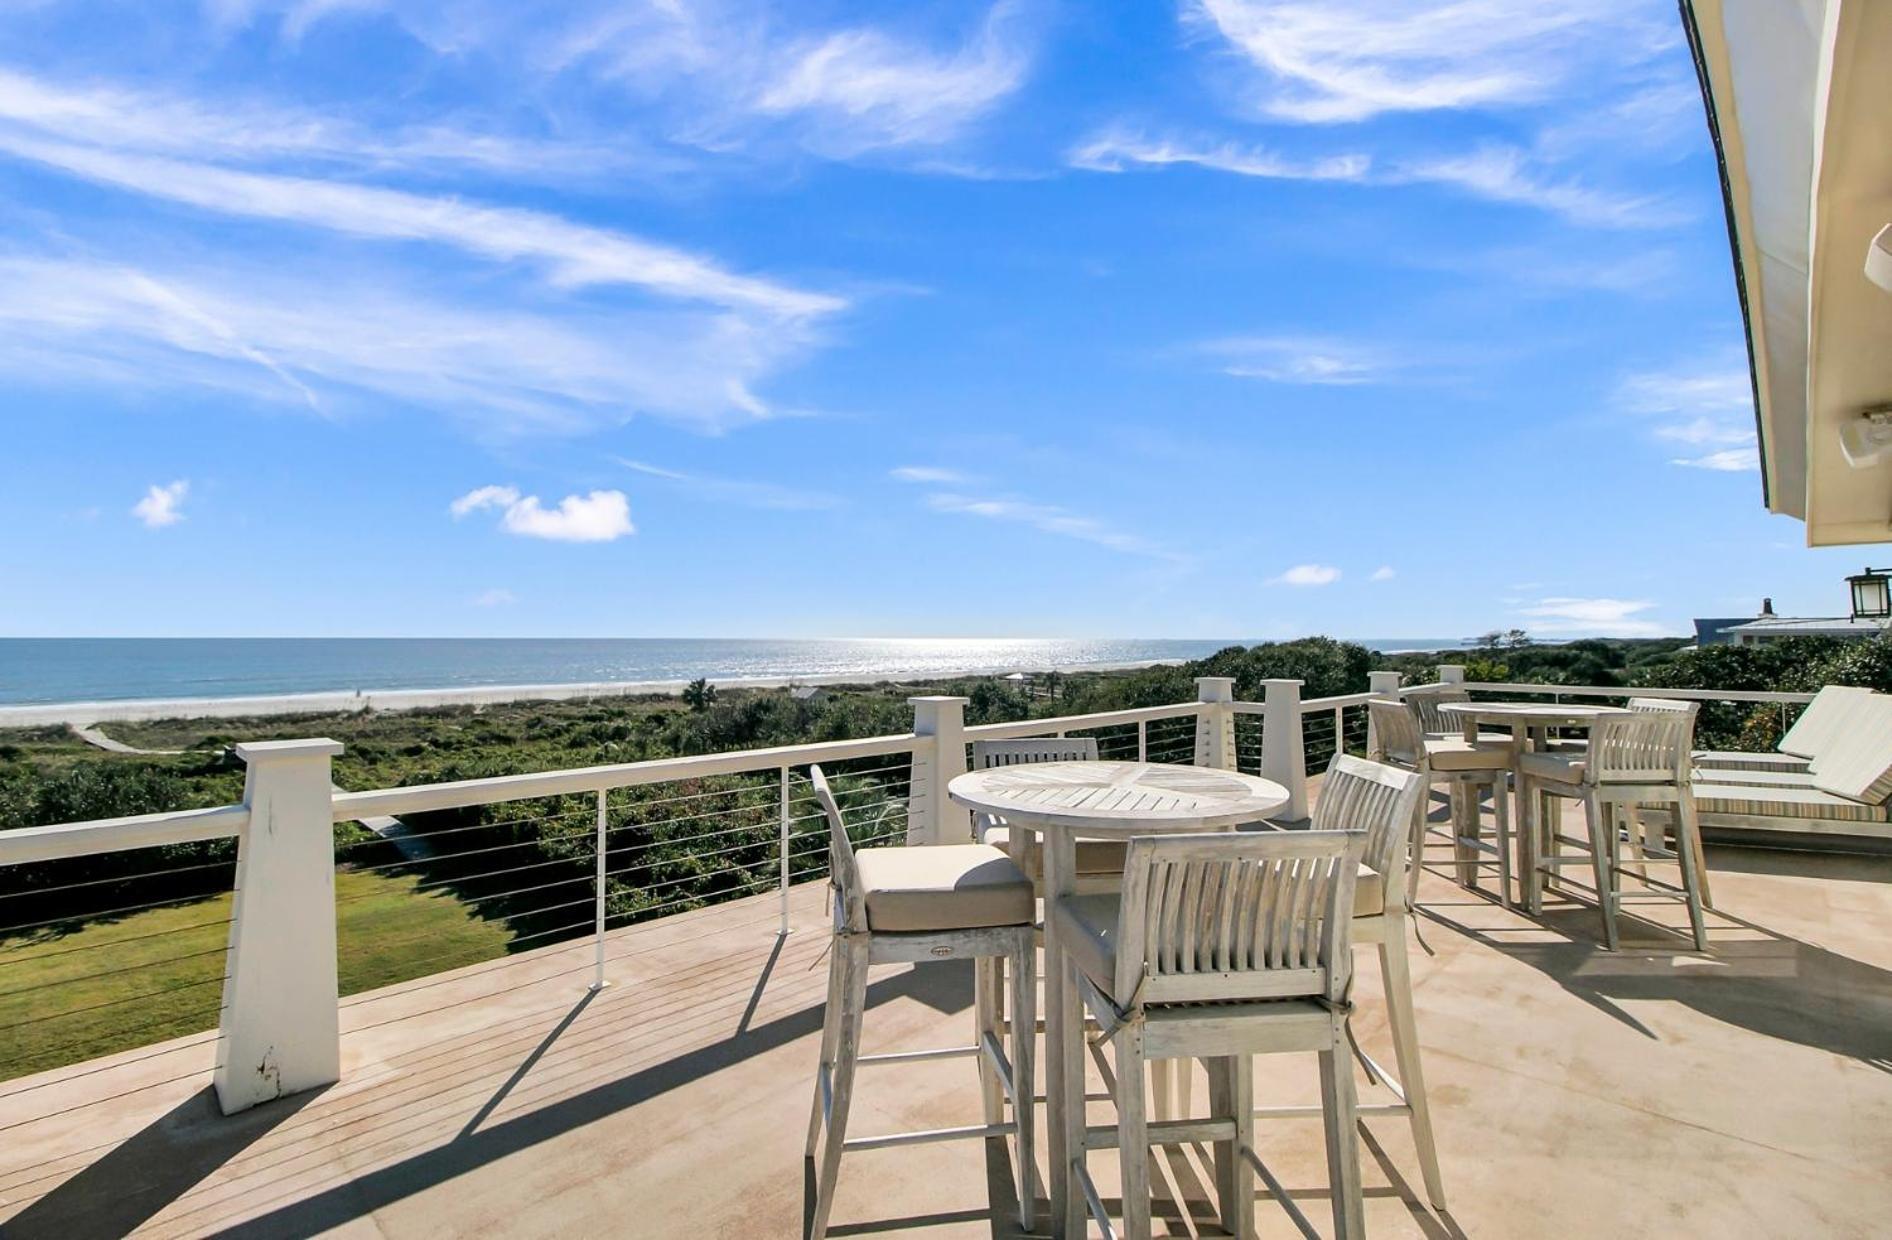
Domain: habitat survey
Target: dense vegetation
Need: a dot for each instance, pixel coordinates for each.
(519, 875)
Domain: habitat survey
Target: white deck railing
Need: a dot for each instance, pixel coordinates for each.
(278, 1029)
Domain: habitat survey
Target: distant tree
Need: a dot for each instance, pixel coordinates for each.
(699, 693)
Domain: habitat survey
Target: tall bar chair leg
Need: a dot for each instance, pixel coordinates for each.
(1241, 1088)
(1133, 1150)
(1501, 812)
(830, 1036)
(1024, 973)
(1601, 823)
(1688, 849)
(1396, 972)
(986, 1009)
(847, 1058)
(1340, 1104)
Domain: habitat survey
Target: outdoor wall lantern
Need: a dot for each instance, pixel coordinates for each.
(1872, 600)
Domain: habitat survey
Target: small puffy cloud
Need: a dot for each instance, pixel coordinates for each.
(494, 598)
(161, 504)
(926, 473)
(1383, 573)
(1307, 575)
(600, 516)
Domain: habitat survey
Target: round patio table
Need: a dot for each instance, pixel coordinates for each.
(1530, 724)
(1097, 800)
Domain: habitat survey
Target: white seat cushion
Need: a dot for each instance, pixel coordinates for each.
(1751, 801)
(1736, 760)
(1458, 754)
(943, 887)
(1857, 764)
(1758, 779)
(1094, 857)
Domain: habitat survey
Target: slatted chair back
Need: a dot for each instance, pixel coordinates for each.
(1653, 705)
(1382, 801)
(1426, 705)
(988, 754)
(850, 899)
(1397, 733)
(1234, 916)
(1643, 747)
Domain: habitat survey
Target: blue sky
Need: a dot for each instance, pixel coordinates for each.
(1234, 318)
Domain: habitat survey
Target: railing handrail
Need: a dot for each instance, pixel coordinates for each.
(1339, 701)
(1629, 691)
(103, 835)
(492, 789)
(1068, 723)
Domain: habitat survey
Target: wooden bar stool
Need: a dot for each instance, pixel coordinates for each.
(1380, 800)
(1633, 760)
(1222, 946)
(1467, 766)
(910, 905)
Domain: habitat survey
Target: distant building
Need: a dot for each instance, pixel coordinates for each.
(808, 693)
(1768, 627)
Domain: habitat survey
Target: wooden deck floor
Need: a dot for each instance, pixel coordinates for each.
(1577, 1092)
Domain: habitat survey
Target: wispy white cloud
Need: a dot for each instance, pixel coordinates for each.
(1383, 573)
(1050, 519)
(1325, 61)
(1494, 172)
(1725, 460)
(313, 337)
(572, 255)
(497, 597)
(928, 474)
(1507, 174)
(250, 129)
(1118, 149)
(743, 77)
(1316, 360)
(601, 516)
(746, 493)
(1307, 575)
(863, 89)
(162, 504)
(1702, 405)
(1608, 617)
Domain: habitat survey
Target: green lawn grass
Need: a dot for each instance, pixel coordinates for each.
(158, 974)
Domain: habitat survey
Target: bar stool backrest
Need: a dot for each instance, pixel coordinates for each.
(1397, 733)
(850, 901)
(1650, 706)
(1237, 916)
(1381, 800)
(988, 754)
(1643, 747)
(1425, 704)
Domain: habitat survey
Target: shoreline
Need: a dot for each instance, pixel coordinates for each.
(79, 714)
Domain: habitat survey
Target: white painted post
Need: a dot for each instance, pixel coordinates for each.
(1215, 722)
(1452, 673)
(280, 1032)
(1283, 753)
(1385, 686)
(932, 818)
(598, 890)
(784, 827)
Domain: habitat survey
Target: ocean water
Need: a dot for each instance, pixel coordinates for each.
(35, 670)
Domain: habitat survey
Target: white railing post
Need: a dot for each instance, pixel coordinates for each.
(1452, 673)
(1383, 685)
(599, 885)
(932, 818)
(1215, 722)
(784, 832)
(280, 1032)
(1283, 753)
